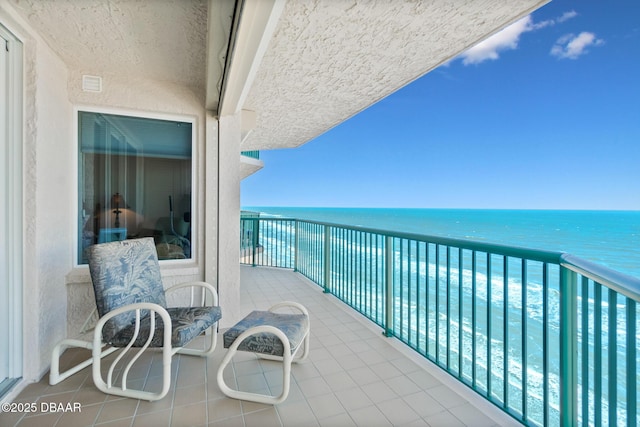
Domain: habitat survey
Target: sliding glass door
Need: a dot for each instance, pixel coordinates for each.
(10, 211)
(4, 286)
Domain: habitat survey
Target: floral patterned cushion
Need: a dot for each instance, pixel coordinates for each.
(124, 272)
(294, 326)
(187, 323)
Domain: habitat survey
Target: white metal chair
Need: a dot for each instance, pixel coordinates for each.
(270, 335)
(132, 310)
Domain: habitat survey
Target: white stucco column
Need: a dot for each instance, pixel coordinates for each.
(222, 246)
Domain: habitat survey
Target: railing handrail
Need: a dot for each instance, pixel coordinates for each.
(623, 284)
(494, 248)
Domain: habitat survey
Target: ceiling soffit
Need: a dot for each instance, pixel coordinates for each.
(163, 40)
(312, 65)
(329, 60)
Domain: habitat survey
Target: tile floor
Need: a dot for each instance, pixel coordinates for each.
(354, 376)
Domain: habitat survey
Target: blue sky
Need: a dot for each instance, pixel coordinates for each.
(543, 115)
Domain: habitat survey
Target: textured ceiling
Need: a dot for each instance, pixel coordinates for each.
(161, 39)
(328, 60)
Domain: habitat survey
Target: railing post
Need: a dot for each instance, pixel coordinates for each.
(327, 259)
(295, 245)
(254, 241)
(568, 347)
(388, 285)
(632, 351)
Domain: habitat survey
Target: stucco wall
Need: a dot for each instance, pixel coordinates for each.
(47, 139)
(58, 295)
(229, 219)
(53, 139)
(146, 97)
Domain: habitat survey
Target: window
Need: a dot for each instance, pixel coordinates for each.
(135, 180)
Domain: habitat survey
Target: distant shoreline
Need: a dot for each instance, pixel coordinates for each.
(607, 237)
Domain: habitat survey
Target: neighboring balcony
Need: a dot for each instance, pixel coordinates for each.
(250, 163)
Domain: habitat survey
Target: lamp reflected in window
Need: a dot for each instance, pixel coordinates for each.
(116, 201)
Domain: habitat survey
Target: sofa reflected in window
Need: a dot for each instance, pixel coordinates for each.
(111, 234)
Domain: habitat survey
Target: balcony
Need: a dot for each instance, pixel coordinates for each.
(549, 338)
(354, 376)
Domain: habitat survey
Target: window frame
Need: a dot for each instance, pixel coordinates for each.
(192, 120)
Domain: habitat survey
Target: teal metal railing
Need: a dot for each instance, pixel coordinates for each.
(549, 338)
(255, 154)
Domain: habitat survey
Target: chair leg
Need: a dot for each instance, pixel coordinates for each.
(167, 352)
(109, 387)
(206, 352)
(286, 368)
(55, 376)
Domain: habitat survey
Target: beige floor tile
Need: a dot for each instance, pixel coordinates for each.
(385, 370)
(341, 420)
(304, 370)
(353, 399)
(39, 420)
(326, 405)
(351, 362)
(236, 421)
(402, 385)
(248, 407)
(117, 409)
(86, 417)
(189, 395)
(369, 417)
(444, 418)
(314, 387)
(353, 377)
(328, 367)
(155, 419)
(123, 422)
(189, 415)
(221, 409)
(469, 415)
(10, 418)
(423, 404)
(264, 418)
(445, 396)
(363, 376)
(145, 407)
(339, 381)
(379, 392)
(397, 411)
(254, 382)
(296, 414)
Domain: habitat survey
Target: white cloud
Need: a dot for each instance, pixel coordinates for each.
(567, 15)
(508, 38)
(571, 46)
(550, 22)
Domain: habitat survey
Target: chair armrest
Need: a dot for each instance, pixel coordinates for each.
(97, 353)
(291, 304)
(164, 315)
(206, 286)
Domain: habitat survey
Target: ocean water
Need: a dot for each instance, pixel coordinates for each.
(609, 238)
